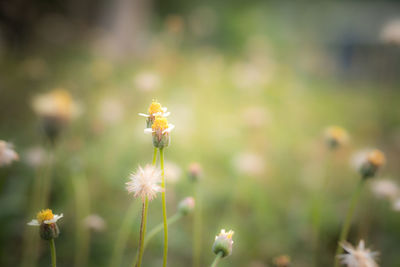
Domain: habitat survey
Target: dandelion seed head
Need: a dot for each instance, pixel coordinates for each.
(7, 153)
(385, 188)
(358, 256)
(145, 182)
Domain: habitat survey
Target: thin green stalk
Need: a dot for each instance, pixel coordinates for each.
(197, 228)
(154, 156)
(346, 226)
(157, 229)
(82, 210)
(217, 259)
(142, 231)
(125, 229)
(123, 234)
(164, 207)
(53, 253)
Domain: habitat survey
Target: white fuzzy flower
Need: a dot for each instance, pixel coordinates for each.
(7, 153)
(396, 204)
(358, 256)
(145, 182)
(385, 188)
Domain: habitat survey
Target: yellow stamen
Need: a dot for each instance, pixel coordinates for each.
(376, 157)
(230, 234)
(337, 133)
(155, 107)
(160, 124)
(44, 215)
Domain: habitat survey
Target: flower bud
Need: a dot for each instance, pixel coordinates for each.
(282, 261)
(161, 132)
(223, 243)
(336, 136)
(186, 206)
(373, 161)
(195, 171)
(49, 231)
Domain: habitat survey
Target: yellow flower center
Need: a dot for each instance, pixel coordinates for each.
(229, 234)
(376, 157)
(160, 124)
(63, 101)
(337, 133)
(155, 107)
(44, 215)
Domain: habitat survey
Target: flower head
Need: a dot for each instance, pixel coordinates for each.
(160, 130)
(373, 160)
(144, 182)
(223, 243)
(55, 104)
(186, 206)
(155, 110)
(358, 256)
(282, 261)
(56, 109)
(7, 153)
(336, 136)
(195, 171)
(46, 220)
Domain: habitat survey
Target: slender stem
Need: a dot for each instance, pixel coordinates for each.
(154, 157)
(123, 234)
(157, 229)
(164, 207)
(217, 259)
(197, 228)
(142, 231)
(53, 253)
(346, 226)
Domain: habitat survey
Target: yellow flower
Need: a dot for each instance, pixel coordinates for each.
(56, 104)
(336, 136)
(45, 217)
(376, 158)
(223, 243)
(160, 130)
(155, 110)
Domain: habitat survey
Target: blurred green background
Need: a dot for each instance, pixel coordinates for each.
(251, 86)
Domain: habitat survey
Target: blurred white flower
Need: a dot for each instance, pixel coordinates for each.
(385, 188)
(396, 204)
(172, 172)
(56, 104)
(35, 156)
(145, 182)
(111, 111)
(255, 116)
(223, 243)
(95, 222)
(147, 81)
(249, 164)
(7, 153)
(390, 32)
(359, 256)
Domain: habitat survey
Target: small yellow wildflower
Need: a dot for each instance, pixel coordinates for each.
(336, 136)
(376, 158)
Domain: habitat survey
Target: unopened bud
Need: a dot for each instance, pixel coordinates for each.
(49, 231)
(223, 243)
(186, 206)
(195, 171)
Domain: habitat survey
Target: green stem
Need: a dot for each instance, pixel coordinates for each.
(346, 226)
(164, 207)
(154, 157)
(157, 229)
(217, 259)
(197, 228)
(142, 231)
(53, 253)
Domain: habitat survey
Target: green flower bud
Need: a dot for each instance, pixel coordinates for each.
(223, 243)
(186, 206)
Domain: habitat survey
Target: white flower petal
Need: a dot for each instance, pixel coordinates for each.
(34, 223)
(148, 131)
(169, 129)
(55, 219)
(144, 115)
